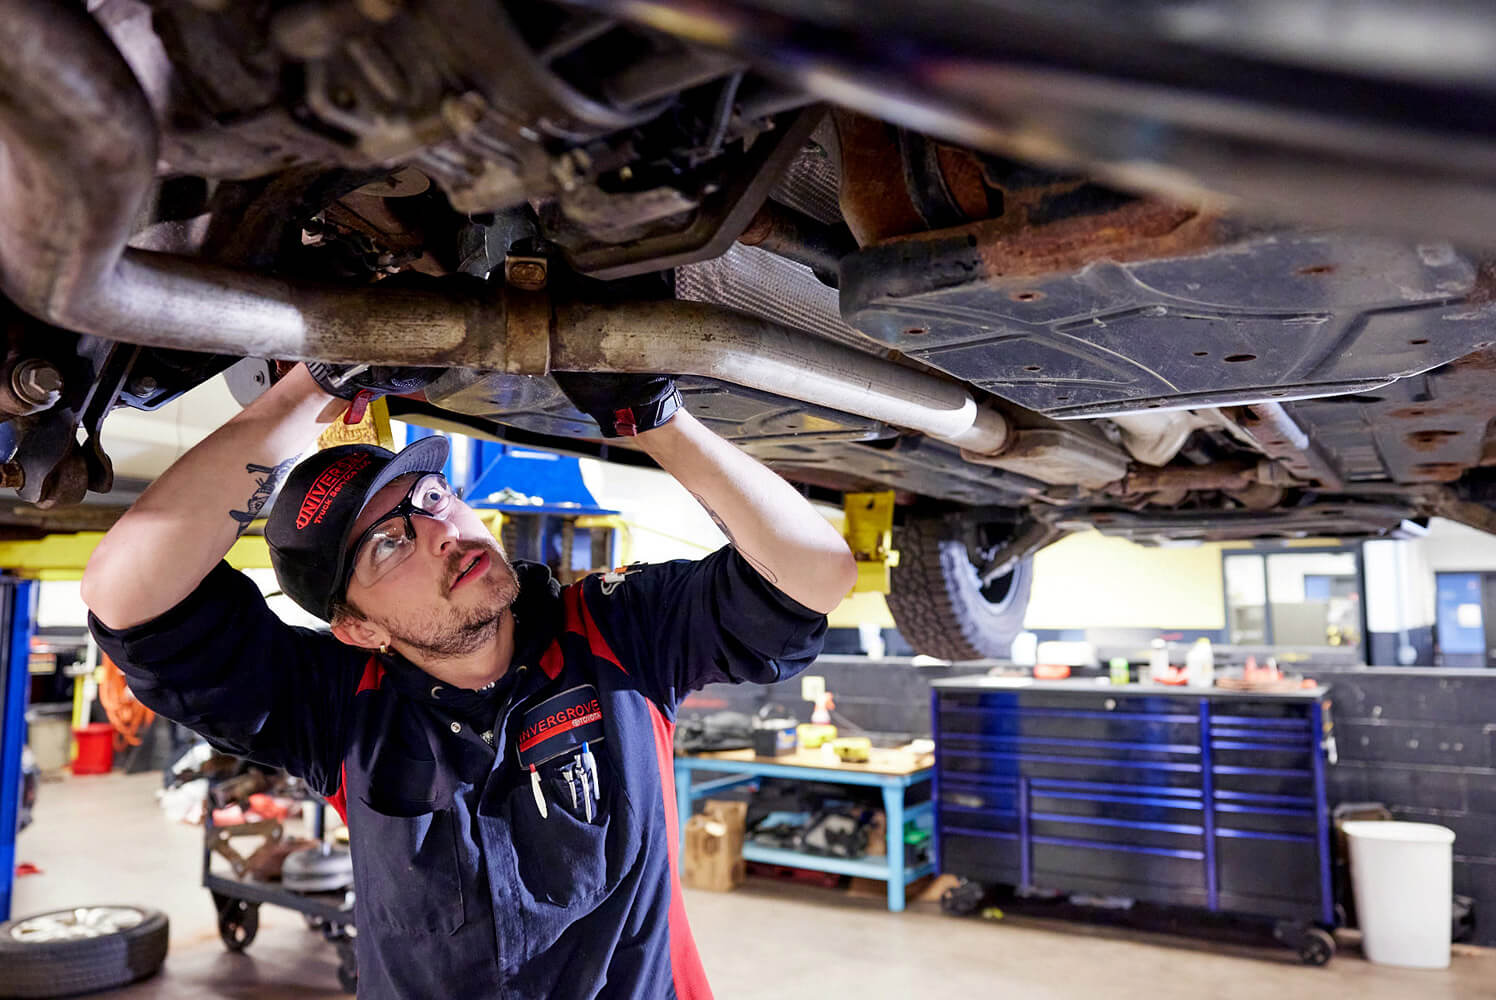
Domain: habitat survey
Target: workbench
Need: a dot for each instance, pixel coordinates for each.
(894, 771)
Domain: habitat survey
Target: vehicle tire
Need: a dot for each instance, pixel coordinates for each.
(938, 603)
(88, 948)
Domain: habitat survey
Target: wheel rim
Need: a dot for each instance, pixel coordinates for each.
(73, 925)
(998, 590)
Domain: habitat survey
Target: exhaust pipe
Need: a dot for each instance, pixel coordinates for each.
(698, 339)
(77, 159)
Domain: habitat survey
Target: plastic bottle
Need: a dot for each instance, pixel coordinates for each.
(1158, 663)
(1199, 664)
(1118, 667)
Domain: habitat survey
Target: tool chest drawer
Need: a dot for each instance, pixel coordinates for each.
(980, 808)
(1155, 876)
(983, 857)
(1097, 722)
(1199, 798)
(1268, 874)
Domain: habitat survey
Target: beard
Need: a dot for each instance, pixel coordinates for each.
(459, 629)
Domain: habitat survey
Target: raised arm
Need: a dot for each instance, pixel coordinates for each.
(186, 521)
(774, 528)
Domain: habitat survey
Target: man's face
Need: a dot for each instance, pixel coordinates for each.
(448, 596)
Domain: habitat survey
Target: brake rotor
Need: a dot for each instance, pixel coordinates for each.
(318, 869)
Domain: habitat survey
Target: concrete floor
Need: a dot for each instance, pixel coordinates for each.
(102, 839)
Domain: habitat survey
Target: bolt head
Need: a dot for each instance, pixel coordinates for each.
(37, 382)
(529, 275)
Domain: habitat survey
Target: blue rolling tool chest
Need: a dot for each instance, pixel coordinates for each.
(1202, 798)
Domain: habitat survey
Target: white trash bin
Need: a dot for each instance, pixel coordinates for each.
(1401, 874)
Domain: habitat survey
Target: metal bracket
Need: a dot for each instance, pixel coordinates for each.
(527, 316)
(869, 534)
(220, 838)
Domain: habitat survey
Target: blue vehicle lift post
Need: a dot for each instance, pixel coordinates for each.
(17, 598)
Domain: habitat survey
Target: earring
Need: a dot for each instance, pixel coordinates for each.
(384, 647)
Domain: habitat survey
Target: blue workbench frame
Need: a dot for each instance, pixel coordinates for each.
(895, 788)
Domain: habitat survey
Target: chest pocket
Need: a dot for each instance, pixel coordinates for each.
(568, 858)
(406, 853)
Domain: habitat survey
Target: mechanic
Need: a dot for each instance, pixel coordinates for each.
(500, 746)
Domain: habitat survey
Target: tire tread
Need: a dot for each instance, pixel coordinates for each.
(65, 968)
(935, 601)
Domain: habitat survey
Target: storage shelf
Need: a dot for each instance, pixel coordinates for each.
(875, 868)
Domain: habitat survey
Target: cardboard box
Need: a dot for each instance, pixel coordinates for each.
(714, 846)
(927, 889)
(710, 861)
(734, 816)
(877, 835)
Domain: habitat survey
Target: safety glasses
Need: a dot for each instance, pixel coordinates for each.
(389, 541)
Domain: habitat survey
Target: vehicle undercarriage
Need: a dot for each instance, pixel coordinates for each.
(1003, 259)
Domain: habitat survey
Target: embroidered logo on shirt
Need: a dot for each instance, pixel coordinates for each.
(560, 724)
(326, 487)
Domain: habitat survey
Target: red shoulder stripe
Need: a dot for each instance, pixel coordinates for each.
(339, 799)
(579, 621)
(373, 676)
(550, 660)
(600, 647)
(370, 681)
(685, 961)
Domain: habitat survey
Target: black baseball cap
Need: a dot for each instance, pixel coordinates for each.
(309, 527)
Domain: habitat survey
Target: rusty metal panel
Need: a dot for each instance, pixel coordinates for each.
(915, 466)
(1426, 429)
(1151, 308)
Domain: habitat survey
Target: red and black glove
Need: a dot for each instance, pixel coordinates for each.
(622, 405)
(365, 383)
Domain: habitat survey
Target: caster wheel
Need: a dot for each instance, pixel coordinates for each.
(347, 967)
(962, 900)
(238, 922)
(1316, 947)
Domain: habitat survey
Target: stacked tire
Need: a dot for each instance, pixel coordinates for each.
(81, 950)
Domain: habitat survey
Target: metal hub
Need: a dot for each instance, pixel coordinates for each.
(72, 925)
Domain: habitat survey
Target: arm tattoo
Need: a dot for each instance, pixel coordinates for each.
(269, 479)
(757, 564)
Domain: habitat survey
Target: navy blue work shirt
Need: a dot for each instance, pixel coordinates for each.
(463, 888)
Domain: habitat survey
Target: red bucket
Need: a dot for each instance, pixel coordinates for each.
(95, 749)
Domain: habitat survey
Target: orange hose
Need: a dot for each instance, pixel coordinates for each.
(127, 715)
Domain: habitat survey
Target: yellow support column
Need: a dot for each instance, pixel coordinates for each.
(869, 534)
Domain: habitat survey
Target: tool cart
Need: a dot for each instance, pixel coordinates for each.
(1204, 798)
(317, 883)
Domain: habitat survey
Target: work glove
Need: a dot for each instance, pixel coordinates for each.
(622, 405)
(362, 384)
